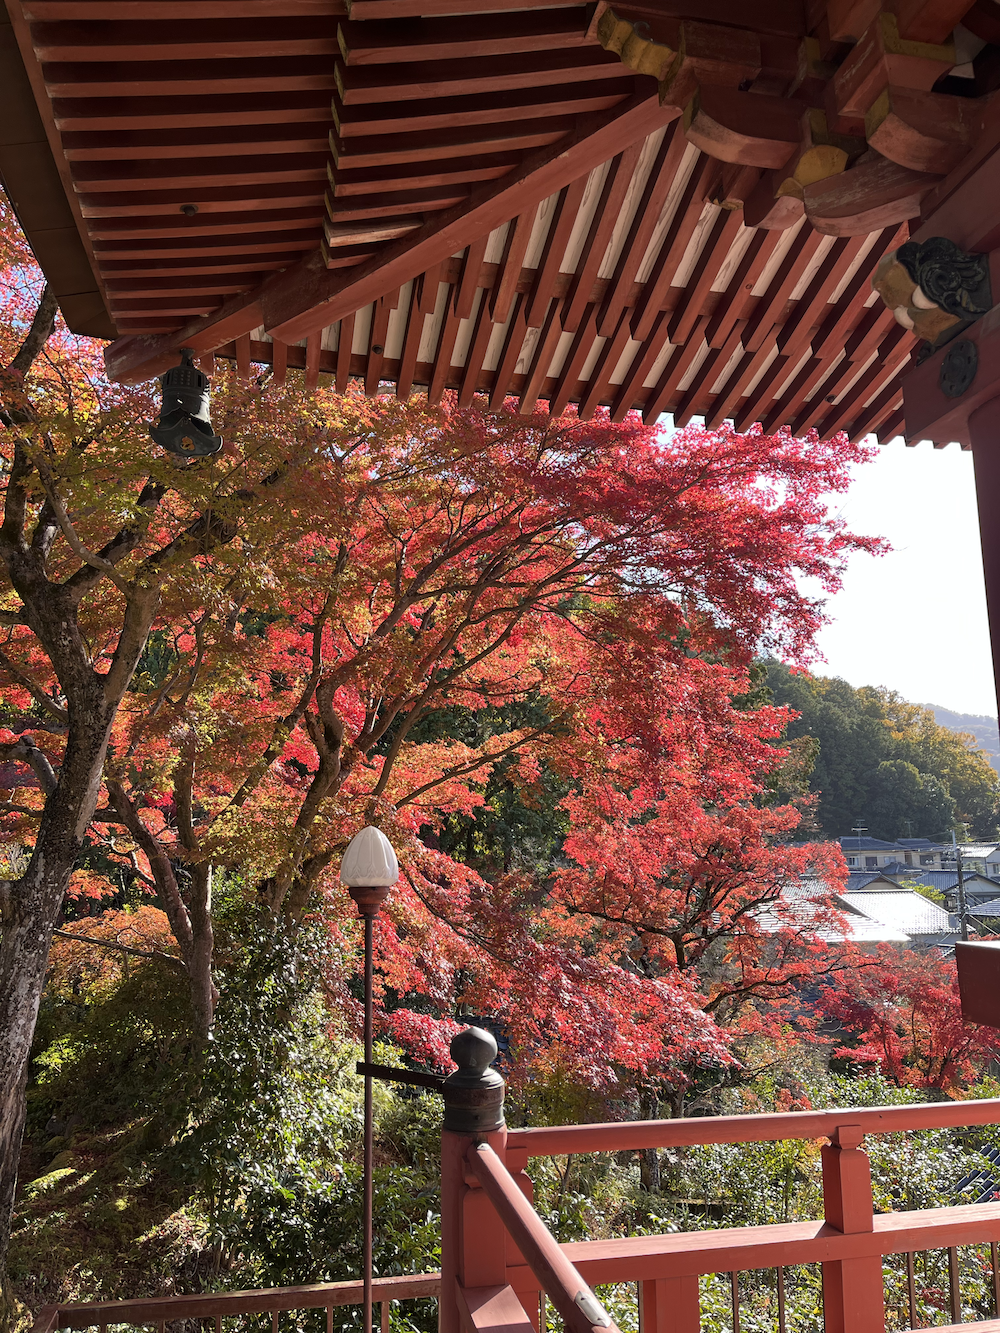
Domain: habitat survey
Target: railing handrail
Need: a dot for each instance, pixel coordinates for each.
(769, 1128)
(46, 1320)
(154, 1309)
(559, 1279)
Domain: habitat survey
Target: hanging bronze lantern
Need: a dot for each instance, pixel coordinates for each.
(184, 427)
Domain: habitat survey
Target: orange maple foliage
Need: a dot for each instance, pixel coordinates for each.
(412, 568)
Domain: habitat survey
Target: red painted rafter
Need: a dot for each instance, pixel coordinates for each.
(737, 298)
(615, 189)
(710, 261)
(375, 119)
(133, 114)
(698, 398)
(674, 371)
(600, 379)
(194, 39)
(382, 150)
(481, 334)
(513, 342)
(686, 216)
(554, 250)
(550, 333)
(445, 78)
(402, 41)
(630, 393)
(580, 348)
(188, 78)
(657, 188)
(750, 364)
(305, 297)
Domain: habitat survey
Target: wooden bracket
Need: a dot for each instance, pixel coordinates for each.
(921, 130)
(882, 57)
(874, 193)
(751, 129)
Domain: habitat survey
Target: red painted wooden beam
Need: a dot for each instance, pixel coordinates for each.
(308, 296)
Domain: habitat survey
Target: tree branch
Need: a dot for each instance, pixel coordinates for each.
(38, 334)
(26, 750)
(82, 552)
(36, 691)
(122, 948)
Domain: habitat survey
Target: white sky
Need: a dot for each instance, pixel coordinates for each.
(915, 619)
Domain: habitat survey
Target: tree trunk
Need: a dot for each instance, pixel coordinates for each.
(649, 1158)
(30, 908)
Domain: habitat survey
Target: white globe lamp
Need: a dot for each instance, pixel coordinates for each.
(369, 869)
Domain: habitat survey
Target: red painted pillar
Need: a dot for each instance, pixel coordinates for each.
(473, 1239)
(519, 1275)
(453, 1191)
(853, 1294)
(669, 1305)
(984, 434)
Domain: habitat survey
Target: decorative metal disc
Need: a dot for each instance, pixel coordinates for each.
(958, 369)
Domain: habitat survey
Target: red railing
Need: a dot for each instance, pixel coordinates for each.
(499, 1262)
(212, 1308)
(495, 1252)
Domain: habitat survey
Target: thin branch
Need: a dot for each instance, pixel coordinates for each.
(82, 552)
(35, 690)
(472, 764)
(26, 750)
(122, 948)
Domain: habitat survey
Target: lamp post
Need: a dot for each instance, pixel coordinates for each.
(369, 870)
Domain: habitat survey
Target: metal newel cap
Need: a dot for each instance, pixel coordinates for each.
(473, 1094)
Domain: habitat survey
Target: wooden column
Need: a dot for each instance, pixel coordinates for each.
(984, 436)
(669, 1305)
(474, 1241)
(853, 1298)
(519, 1275)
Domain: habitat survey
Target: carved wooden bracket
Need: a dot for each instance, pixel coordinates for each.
(633, 40)
(805, 110)
(934, 288)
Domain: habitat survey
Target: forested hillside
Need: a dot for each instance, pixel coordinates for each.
(980, 725)
(886, 762)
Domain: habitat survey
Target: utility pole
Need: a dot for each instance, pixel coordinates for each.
(963, 919)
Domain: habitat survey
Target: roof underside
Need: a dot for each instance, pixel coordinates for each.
(489, 202)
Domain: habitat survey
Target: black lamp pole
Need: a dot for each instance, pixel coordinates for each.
(369, 898)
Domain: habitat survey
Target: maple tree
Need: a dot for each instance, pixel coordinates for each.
(682, 868)
(96, 534)
(904, 1013)
(224, 667)
(475, 561)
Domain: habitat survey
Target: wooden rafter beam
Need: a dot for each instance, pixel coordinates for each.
(456, 38)
(358, 120)
(308, 296)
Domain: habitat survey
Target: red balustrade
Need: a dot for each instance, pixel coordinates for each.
(499, 1262)
(497, 1268)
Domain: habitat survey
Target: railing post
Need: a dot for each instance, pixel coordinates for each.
(669, 1305)
(473, 1250)
(519, 1275)
(853, 1293)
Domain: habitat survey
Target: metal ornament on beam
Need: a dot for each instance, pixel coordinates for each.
(950, 381)
(934, 288)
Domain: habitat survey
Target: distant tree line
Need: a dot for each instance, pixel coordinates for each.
(886, 762)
